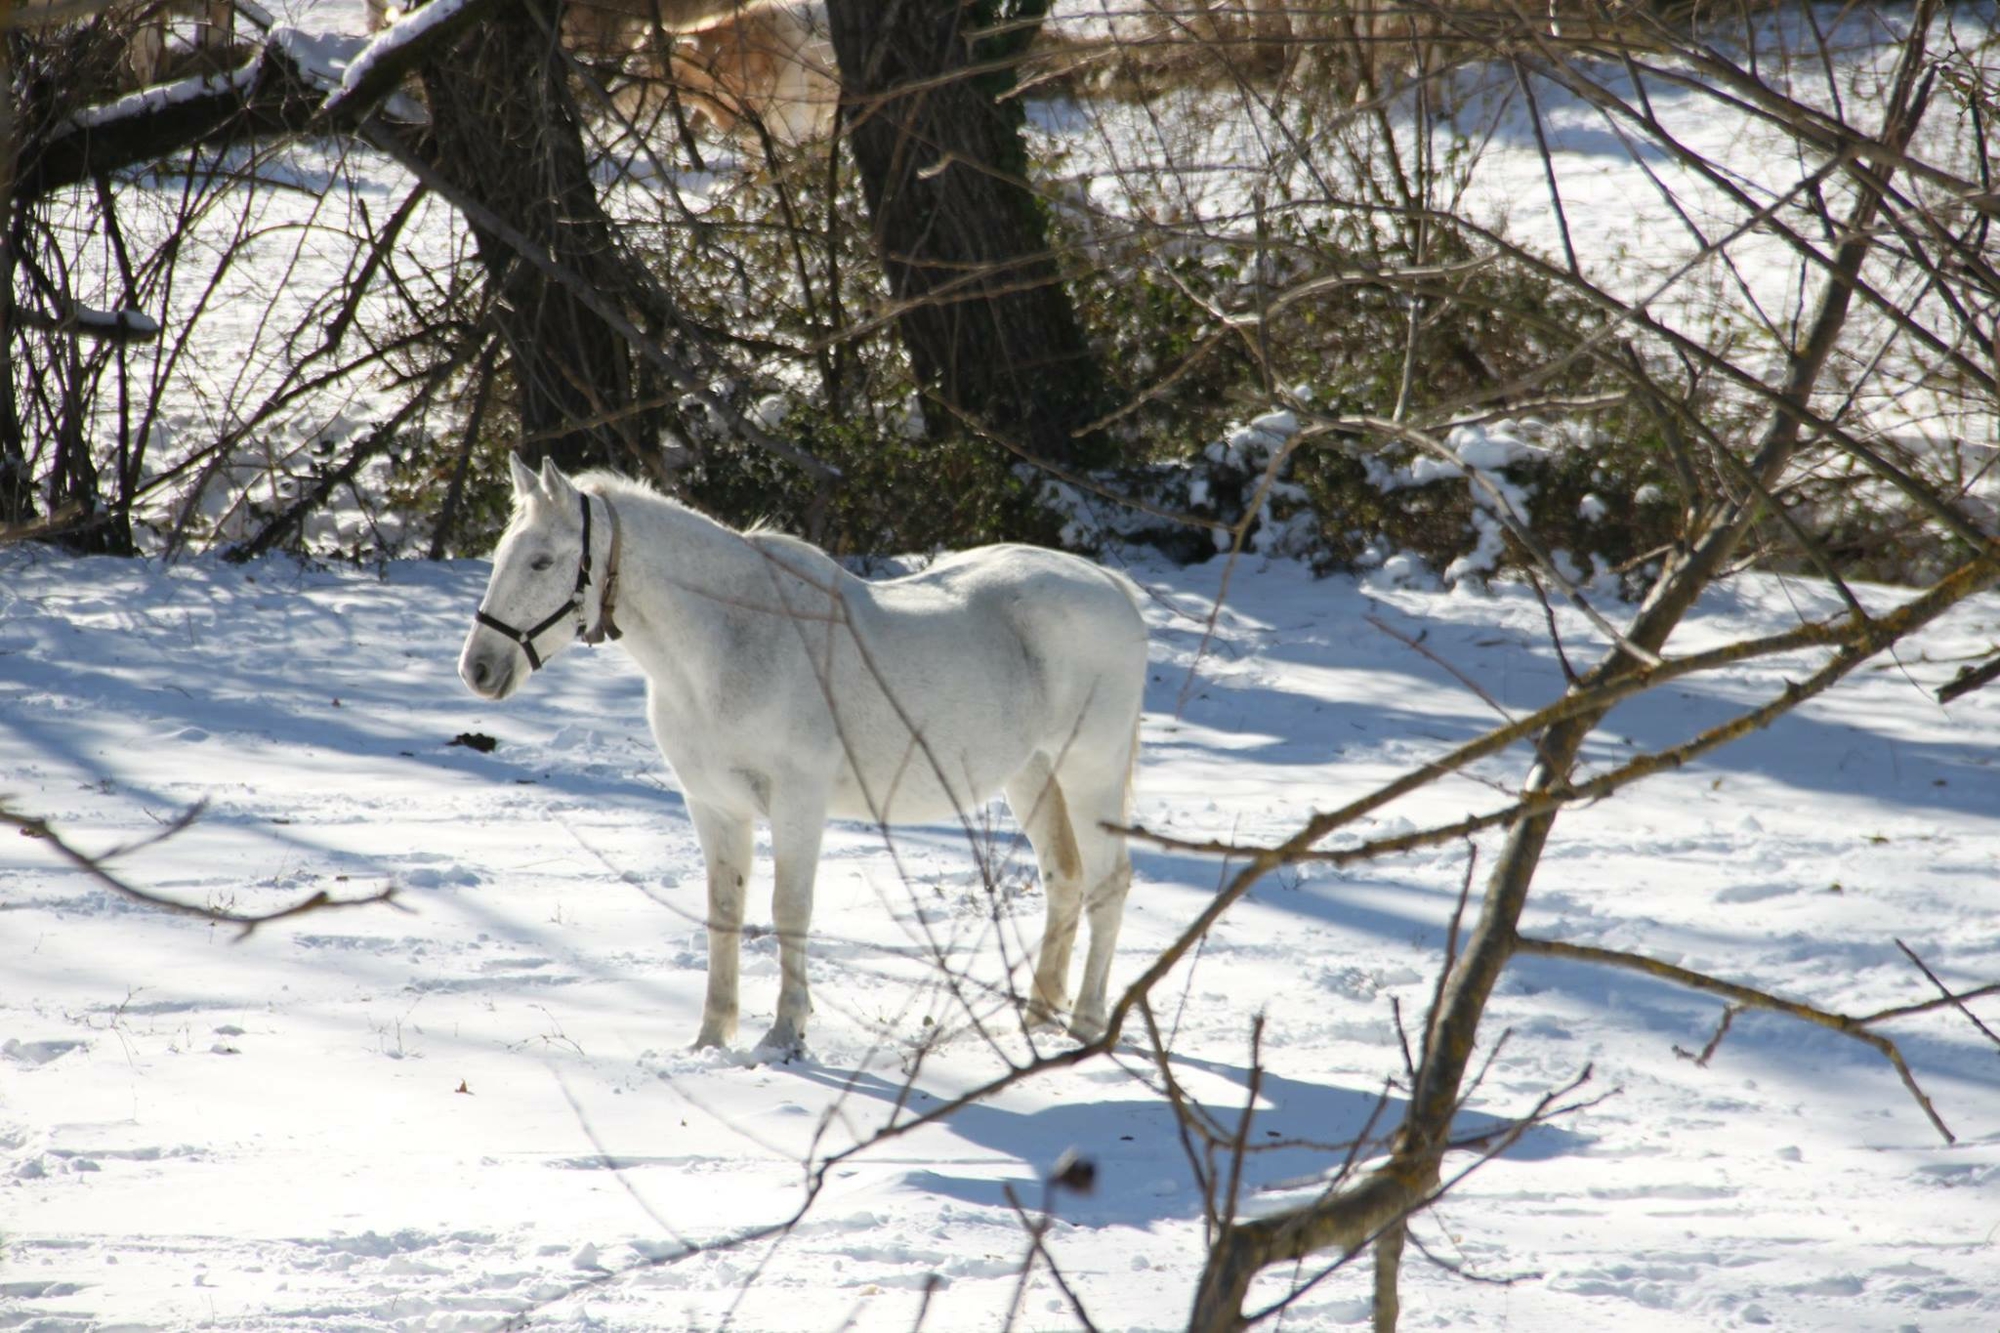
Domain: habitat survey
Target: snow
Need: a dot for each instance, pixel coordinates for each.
(322, 57)
(391, 40)
(480, 1106)
(326, 59)
(1490, 449)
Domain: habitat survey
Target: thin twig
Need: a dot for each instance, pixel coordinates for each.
(1968, 680)
(1254, 1082)
(1544, 1109)
(1957, 1000)
(1037, 1230)
(1749, 997)
(94, 866)
(1858, 642)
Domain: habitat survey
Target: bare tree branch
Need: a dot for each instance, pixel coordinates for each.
(1748, 997)
(96, 868)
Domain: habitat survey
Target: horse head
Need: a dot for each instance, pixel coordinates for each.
(540, 583)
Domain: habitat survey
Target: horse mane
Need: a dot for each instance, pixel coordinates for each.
(763, 534)
(602, 481)
(796, 553)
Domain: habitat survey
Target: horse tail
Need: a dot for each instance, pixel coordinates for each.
(1131, 769)
(1130, 587)
(1137, 596)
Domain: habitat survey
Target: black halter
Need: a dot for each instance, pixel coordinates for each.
(574, 606)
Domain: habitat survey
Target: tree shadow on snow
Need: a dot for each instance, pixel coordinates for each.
(1142, 1173)
(1404, 699)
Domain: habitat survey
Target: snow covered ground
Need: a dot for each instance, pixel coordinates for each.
(482, 1105)
(479, 1105)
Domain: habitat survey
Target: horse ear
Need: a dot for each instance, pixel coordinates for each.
(554, 484)
(524, 479)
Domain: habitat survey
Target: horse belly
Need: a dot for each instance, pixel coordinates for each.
(955, 769)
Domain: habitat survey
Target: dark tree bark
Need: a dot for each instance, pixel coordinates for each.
(589, 333)
(17, 483)
(988, 326)
(505, 131)
(93, 524)
(17, 479)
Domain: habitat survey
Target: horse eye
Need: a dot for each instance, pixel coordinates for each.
(542, 562)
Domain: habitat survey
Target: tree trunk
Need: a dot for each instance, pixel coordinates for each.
(989, 328)
(17, 481)
(506, 131)
(1388, 1269)
(1386, 1196)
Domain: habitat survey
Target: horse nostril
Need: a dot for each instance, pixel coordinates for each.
(480, 673)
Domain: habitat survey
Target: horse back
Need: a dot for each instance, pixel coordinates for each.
(987, 658)
(1077, 624)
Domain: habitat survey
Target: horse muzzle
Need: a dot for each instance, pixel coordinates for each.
(489, 671)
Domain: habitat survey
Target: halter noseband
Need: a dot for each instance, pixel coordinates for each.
(605, 626)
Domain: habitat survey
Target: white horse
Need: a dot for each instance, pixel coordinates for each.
(781, 687)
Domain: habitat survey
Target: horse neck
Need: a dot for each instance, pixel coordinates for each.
(681, 571)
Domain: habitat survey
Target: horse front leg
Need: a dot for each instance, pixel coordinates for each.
(726, 847)
(797, 823)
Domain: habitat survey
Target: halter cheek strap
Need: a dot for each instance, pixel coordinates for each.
(574, 606)
(608, 599)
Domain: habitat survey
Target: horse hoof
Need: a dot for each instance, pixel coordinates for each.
(783, 1042)
(1087, 1028)
(1042, 1014)
(710, 1040)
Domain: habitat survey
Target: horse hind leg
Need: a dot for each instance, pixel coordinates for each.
(1106, 879)
(797, 827)
(1037, 801)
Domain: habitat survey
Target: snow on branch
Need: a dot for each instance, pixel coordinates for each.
(82, 321)
(160, 98)
(397, 47)
(265, 95)
(295, 82)
(336, 62)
